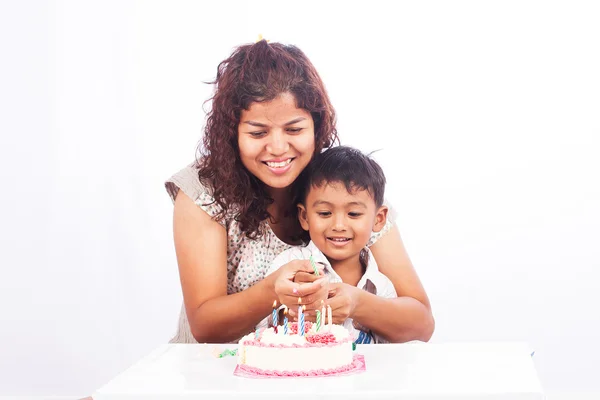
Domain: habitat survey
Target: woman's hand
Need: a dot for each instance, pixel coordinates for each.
(314, 302)
(310, 291)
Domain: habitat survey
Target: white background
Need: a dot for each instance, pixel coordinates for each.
(487, 114)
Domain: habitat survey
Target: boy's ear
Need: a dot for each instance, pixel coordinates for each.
(302, 217)
(380, 218)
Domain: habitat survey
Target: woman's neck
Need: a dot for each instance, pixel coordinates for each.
(283, 223)
(281, 203)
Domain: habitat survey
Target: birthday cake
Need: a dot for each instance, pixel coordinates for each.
(283, 351)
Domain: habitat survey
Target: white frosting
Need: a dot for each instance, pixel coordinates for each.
(270, 337)
(338, 331)
(242, 348)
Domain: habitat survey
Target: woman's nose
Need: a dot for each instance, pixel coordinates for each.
(278, 143)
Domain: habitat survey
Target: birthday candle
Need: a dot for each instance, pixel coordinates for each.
(329, 317)
(301, 329)
(275, 312)
(318, 320)
(312, 263)
(285, 321)
(299, 313)
(323, 314)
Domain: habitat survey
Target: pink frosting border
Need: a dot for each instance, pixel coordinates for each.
(357, 365)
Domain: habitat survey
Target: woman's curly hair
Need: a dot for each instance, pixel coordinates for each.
(257, 72)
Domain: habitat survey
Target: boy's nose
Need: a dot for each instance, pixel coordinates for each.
(339, 223)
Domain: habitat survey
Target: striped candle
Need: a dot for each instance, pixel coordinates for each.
(300, 316)
(275, 312)
(312, 263)
(301, 327)
(299, 309)
(318, 320)
(323, 314)
(285, 321)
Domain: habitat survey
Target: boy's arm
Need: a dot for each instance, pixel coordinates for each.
(394, 319)
(384, 288)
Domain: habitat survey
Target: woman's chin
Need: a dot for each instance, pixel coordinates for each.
(278, 185)
(280, 182)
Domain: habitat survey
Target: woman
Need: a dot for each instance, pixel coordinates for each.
(233, 209)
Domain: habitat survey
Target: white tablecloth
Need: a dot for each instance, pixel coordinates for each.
(393, 371)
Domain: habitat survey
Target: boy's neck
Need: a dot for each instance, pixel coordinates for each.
(350, 269)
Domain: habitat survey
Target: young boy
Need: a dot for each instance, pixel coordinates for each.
(340, 205)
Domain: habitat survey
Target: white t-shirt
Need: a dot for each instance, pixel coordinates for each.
(372, 281)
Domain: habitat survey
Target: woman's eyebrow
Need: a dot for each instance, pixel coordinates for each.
(294, 121)
(260, 125)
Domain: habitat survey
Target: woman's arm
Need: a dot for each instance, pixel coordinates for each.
(201, 248)
(407, 317)
(214, 316)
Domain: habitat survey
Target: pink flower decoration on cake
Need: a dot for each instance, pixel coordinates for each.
(294, 327)
(323, 338)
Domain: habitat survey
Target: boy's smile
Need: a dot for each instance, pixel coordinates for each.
(339, 241)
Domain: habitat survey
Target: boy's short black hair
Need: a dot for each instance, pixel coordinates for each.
(347, 165)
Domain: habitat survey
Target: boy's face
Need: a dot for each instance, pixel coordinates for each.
(340, 223)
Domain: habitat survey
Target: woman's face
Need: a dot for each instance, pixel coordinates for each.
(276, 140)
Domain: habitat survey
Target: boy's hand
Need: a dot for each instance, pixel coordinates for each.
(342, 299)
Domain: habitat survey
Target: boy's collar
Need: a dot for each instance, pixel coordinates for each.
(371, 274)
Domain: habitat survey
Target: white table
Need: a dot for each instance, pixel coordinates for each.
(394, 371)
